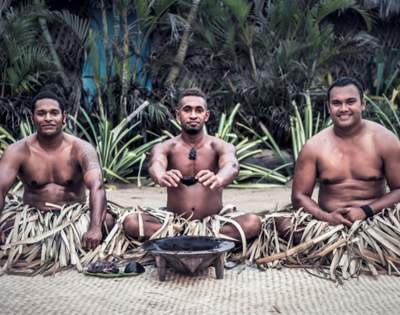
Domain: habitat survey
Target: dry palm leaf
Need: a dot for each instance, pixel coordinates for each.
(371, 245)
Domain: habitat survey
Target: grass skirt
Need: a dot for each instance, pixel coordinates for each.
(174, 225)
(46, 242)
(338, 252)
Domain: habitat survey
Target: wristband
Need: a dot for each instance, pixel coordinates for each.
(368, 211)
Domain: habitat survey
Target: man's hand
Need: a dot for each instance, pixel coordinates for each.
(170, 178)
(92, 238)
(355, 213)
(339, 216)
(209, 179)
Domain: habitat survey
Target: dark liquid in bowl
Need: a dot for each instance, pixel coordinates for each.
(188, 244)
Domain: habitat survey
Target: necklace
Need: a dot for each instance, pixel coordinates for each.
(190, 180)
(192, 154)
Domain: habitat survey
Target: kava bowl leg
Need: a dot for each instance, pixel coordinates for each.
(161, 268)
(219, 267)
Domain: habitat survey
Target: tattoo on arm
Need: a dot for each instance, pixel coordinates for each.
(88, 157)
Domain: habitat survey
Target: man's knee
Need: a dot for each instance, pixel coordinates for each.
(282, 225)
(253, 225)
(131, 225)
(284, 228)
(109, 221)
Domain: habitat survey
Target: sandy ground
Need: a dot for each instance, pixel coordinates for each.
(244, 290)
(248, 200)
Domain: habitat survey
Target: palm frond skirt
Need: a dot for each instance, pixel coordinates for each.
(46, 242)
(336, 252)
(175, 225)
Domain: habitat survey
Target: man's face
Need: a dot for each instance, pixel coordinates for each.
(192, 114)
(345, 106)
(48, 117)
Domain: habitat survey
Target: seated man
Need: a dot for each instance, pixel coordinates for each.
(194, 167)
(352, 160)
(54, 168)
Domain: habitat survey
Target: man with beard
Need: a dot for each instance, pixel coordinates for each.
(55, 168)
(195, 168)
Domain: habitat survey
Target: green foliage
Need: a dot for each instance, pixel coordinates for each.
(385, 112)
(246, 148)
(125, 40)
(114, 146)
(79, 26)
(23, 59)
(264, 54)
(385, 74)
(5, 139)
(304, 127)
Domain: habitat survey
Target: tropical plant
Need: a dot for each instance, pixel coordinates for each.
(31, 54)
(114, 145)
(303, 128)
(263, 53)
(5, 139)
(385, 112)
(124, 45)
(246, 148)
(23, 60)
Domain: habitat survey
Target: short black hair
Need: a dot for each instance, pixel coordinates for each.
(344, 81)
(191, 92)
(48, 94)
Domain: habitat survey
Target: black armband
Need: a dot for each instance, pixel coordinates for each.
(368, 211)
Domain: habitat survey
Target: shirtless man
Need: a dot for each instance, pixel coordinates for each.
(353, 160)
(55, 167)
(195, 168)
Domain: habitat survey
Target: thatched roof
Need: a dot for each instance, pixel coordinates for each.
(386, 8)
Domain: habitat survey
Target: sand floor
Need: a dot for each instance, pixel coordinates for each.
(249, 200)
(244, 290)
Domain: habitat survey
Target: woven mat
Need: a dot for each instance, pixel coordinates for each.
(247, 291)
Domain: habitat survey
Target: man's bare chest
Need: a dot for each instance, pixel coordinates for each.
(40, 169)
(336, 163)
(189, 162)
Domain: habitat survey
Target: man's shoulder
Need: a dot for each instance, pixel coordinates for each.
(377, 129)
(169, 143)
(22, 145)
(319, 138)
(19, 150)
(78, 143)
(381, 135)
(218, 141)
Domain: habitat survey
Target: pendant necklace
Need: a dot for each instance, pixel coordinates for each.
(191, 180)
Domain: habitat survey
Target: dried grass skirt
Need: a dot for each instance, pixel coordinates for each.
(337, 252)
(174, 225)
(46, 242)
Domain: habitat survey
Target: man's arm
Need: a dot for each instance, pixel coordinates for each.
(305, 176)
(228, 166)
(9, 167)
(93, 179)
(158, 167)
(390, 152)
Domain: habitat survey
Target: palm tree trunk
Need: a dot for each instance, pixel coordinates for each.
(125, 66)
(108, 57)
(183, 45)
(53, 52)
